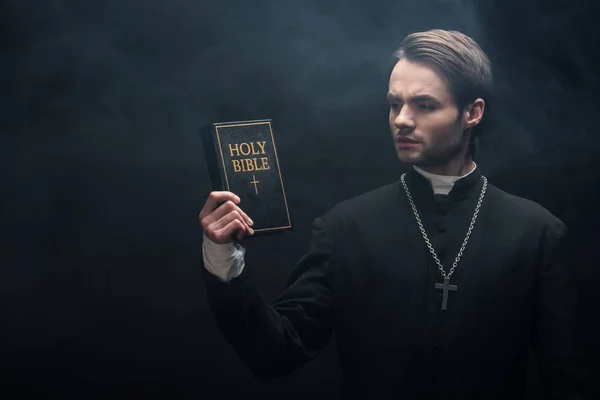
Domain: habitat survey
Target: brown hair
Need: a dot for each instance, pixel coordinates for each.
(459, 59)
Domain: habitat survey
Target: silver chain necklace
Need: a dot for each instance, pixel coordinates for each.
(446, 285)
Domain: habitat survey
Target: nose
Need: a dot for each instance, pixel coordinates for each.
(404, 121)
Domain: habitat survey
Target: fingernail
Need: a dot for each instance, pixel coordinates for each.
(250, 221)
(237, 199)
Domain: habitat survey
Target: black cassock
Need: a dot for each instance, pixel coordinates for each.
(369, 278)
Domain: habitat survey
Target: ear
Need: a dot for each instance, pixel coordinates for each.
(474, 113)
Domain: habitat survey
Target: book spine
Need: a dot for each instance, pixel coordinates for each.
(214, 160)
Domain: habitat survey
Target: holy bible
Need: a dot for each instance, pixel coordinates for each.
(242, 158)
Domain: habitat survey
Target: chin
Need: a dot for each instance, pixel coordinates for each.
(411, 158)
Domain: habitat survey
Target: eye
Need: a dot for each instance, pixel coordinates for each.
(426, 107)
(394, 106)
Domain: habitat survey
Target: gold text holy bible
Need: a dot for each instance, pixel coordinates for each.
(242, 158)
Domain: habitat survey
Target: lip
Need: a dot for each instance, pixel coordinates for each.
(407, 145)
(405, 142)
(401, 139)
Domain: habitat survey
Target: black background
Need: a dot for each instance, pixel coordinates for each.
(103, 172)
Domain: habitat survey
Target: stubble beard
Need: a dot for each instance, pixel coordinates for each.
(429, 158)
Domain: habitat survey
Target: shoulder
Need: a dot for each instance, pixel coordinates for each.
(524, 211)
(372, 198)
(363, 205)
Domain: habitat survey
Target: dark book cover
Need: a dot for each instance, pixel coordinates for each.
(242, 158)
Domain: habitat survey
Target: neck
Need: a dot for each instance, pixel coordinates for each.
(453, 168)
(442, 184)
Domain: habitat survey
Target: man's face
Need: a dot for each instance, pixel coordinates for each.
(427, 126)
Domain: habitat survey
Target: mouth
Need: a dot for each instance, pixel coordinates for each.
(404, 142)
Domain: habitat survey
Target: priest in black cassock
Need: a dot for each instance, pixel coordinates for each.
(434, 285)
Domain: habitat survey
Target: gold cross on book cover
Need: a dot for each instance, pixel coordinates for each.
(242, 158)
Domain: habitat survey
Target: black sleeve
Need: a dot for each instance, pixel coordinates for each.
(563, 366)
(272, 340)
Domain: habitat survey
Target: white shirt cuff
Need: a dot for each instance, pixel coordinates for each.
(225, 261)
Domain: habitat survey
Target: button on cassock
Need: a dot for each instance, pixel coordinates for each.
(442, 208)
(441, 252)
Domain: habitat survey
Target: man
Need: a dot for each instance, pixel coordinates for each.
(434, 285)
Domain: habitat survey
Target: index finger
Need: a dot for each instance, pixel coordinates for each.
(216, 197)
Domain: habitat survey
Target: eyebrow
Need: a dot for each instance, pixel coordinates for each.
(417, 98)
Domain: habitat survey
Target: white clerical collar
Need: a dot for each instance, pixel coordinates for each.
(442, 184)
